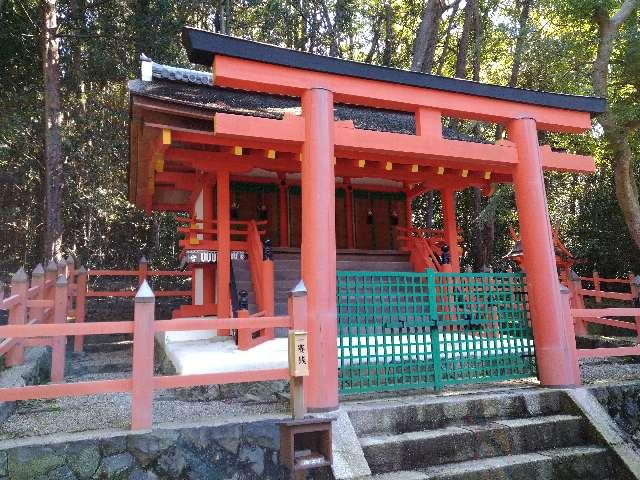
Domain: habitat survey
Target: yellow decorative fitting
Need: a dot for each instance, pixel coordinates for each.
(300, 157)
(158, 162)
(271, 154)
(487, 175)
(334, 160)
(194, 241)
(388, 166)
(237, 150)
(362, 163)
(415, 168)
(440, 170)
(464, 173)
(166, 136)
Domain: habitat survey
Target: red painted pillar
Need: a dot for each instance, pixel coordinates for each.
(319, 249)
(223, 276)
(208, 271)
(284, 218)
(142, 365)
(348, 207)
(552, 343)
(448, 198)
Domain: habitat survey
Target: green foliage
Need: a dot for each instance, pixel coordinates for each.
(100, 44)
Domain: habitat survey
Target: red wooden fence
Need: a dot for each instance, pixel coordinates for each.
(143, 382)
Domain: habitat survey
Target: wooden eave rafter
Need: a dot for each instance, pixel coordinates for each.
(415, 159)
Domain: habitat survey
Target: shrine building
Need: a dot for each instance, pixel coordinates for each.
(274, 155)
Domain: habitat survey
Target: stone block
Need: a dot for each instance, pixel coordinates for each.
(254, 456)
(171, 463)
(263, 434)
(117, 467)
(27, 463)
(83, 458)
(147, 447)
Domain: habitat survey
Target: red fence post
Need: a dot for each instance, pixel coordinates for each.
(18, 315)
(596, 285)
(81, 305)
(61, 268)
(634, 285)
(575, 285)
(143, 268)
(143, 345)
(58, 347)
(244, 334)
(50, 279)
(565, 295)
(37, 280)
(297, 306)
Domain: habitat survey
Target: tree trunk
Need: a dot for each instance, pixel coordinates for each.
(447, 37)
(617, 135)
(388, 36)
(52, 118)
(463, 44)
(426, 39)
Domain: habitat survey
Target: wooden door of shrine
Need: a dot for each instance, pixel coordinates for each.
(295, 217)
(376, 214)
(256, 201)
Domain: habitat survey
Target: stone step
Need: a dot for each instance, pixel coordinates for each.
(435, 412)
(426, 448)
(573, 463)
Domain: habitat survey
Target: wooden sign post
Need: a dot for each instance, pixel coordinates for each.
(298, 369)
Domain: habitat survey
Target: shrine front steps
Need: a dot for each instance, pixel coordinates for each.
(286, 263)
(533, 435)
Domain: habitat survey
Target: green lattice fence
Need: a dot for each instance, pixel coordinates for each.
(399, 330)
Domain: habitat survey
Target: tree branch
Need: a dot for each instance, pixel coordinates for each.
(621, 15)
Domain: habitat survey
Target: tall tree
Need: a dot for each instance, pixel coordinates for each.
(424, 47)
(616, 131)
(54, 178)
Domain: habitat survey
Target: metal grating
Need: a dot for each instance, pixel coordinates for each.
(399, 330)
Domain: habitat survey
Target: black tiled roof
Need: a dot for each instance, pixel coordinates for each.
(193, 88)
(202, 47)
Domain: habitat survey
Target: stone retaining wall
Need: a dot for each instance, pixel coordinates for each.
(243, 451)
(622, 402)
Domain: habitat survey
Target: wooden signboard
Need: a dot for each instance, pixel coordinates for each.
(298, 354)
(210, 256)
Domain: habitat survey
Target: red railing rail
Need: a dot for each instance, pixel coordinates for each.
(143, 382)
(203, 234)
(578, 293)
(43, 300)
(261, 267)
(423, 245)
(602, 316)
(36, 302)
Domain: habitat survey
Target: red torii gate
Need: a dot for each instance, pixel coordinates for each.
(321, 148)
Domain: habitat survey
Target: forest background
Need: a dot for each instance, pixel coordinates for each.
(64, 67)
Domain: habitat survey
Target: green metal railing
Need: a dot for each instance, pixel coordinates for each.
(399, 330)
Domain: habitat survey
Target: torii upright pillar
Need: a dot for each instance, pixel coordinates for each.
(554, 345)
(318, 250)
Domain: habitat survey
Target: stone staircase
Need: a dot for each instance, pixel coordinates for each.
(534, 435)
(286, 263)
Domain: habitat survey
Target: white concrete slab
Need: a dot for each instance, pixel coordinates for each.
(217, 356)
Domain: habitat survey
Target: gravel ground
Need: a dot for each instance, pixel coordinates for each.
(112, 411)
(595, 371)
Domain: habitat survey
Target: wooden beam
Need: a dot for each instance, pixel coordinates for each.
(263, 77)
